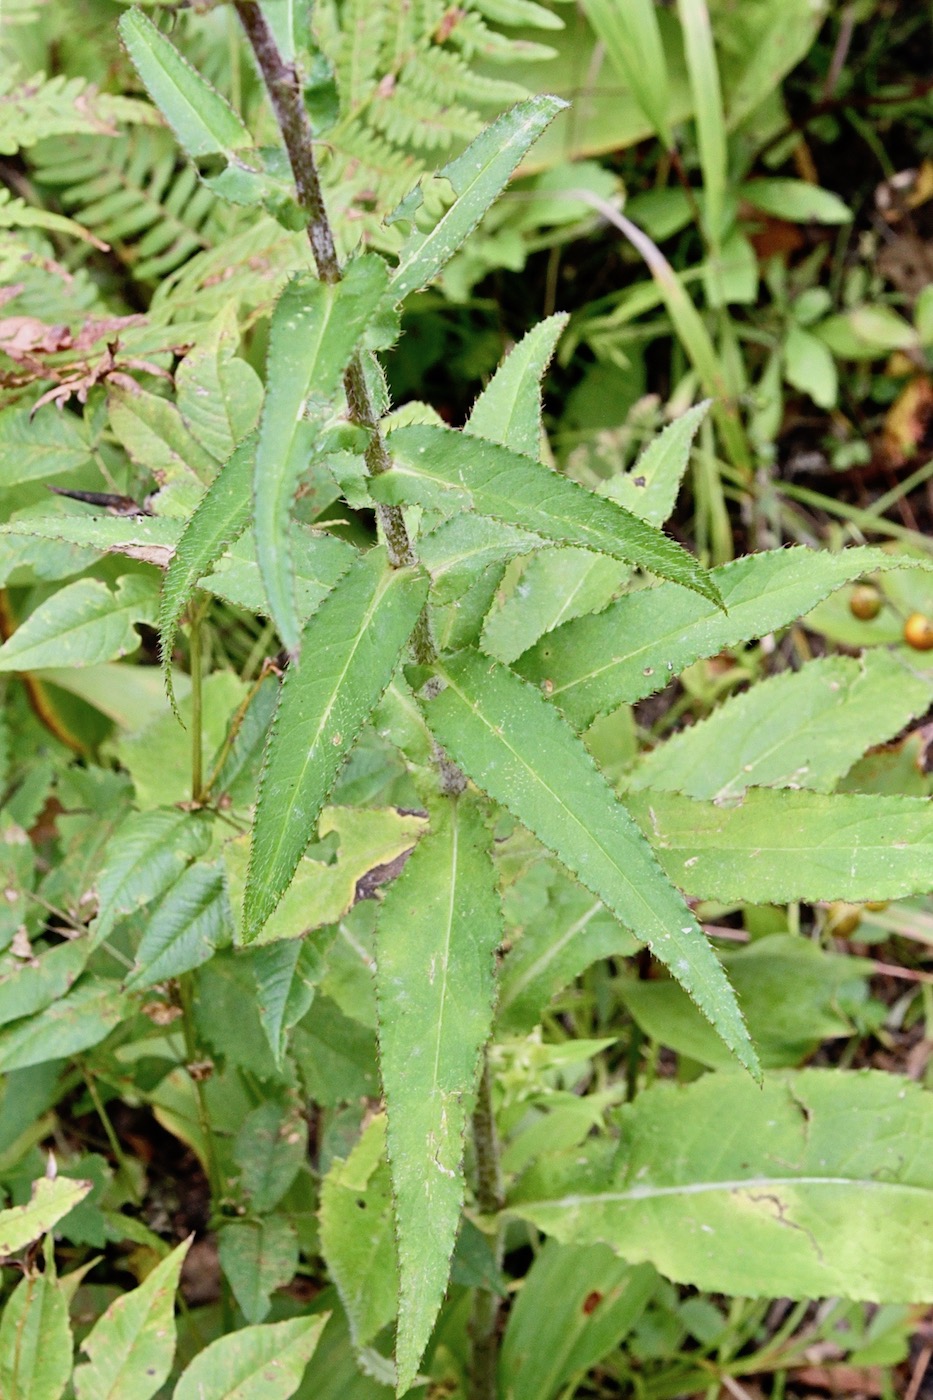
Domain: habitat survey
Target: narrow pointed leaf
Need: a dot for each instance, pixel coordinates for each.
(316, 327)
(509, 408)
(35, 1341)
(82, 624)
(817, 1184)
(632, 40)
(203, 121)
(192, 920)
(439, 927)
(151, 538)
(256, 1363)
(86, 1016)
(638, 643)
(776, 846)
(221, 517)
(132, 1346)
(50, 1200)
(354, 643)
(477, 176)
(145, 856)
(512, 744)
(440, 466)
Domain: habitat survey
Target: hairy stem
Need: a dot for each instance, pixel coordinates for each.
(197, 712)
(484, 1324)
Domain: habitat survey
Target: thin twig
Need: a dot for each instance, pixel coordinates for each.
(490, 1198)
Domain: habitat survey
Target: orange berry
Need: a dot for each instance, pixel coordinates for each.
(918, 632)
(865, 602)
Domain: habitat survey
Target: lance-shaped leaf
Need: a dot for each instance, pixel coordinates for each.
(435, 467)
(145, 856)
(776, 846)
(316, 326)
(35, 1341)
(50, 1200)
(151, 538)
(255, 1363)
(509, 408)
(818, 1184)
(439, 927)
(191, 921)
(353, 644)
(633, 42)
(638, 643)
(477, 177)
(131, 1347)
(203, 121)
(82, 624)
(221, 517)
(513, 745)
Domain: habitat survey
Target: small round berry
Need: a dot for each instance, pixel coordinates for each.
(865, 602)
(842, 919)
(918, 632)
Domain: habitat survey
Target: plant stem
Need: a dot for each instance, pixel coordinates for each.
(115, 1147)
(197, 737)
(484, 1324)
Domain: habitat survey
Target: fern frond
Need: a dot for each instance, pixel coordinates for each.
(34, 109)
(131, 192)
(16, 213)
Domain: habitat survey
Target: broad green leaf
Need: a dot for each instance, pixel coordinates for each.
(50, 1201)
(640, 642)
(810, 367)
(79, 1020)
(354, 643)
(477, 177)
(633, 42)
(40, 447)
(82, 624)
(316, 326)
(777, 846)
(255, 1363)
(155, 435)
(440, 466)
(512, 744)
(258, 1256)
(459, 549)
(815, 1185)
(131, 1347)
(358, 1240)
(192, 920)
(221, 517)
(590, 1298)
(322, 891)
(829, 999)
(287, 975)
(145, 856)
(29, 986)
(439, 927)
(800, 729)
(509, 408)
(318, 560)
(203, 121)
(270, 1148)
(560, 584)
(795, 200)
(150, 538)
(35, 1341)
(218, 394)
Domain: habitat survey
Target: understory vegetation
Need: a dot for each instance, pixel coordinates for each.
(466, 700)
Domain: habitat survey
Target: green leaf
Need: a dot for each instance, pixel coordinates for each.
(40, 447)
(778, 846)
(457, 551)
(358, 1235)
(258, 1256)
(640, 642)
(509, 408)
(703, 72)
(353, 644)
(440, 467)
(649, 488)
(131, 1347)
(561, 1286)
(513, 745)
(82, 624)
(269, 1149)
(203, 121)
(439, 927)
(221, 516)
(50, 1200)
(316, 326)
(810, 367)
(287, 975)
(145, 856)
(633, 42)
(79, 1020)
(155, 435)
(816, 1185)
(255, 1363)
(800, 729)
(218, 394)
(35, 1341)
(183, 931)
(795, 200)
(477, 177)
(29, 986)
(151, 538)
